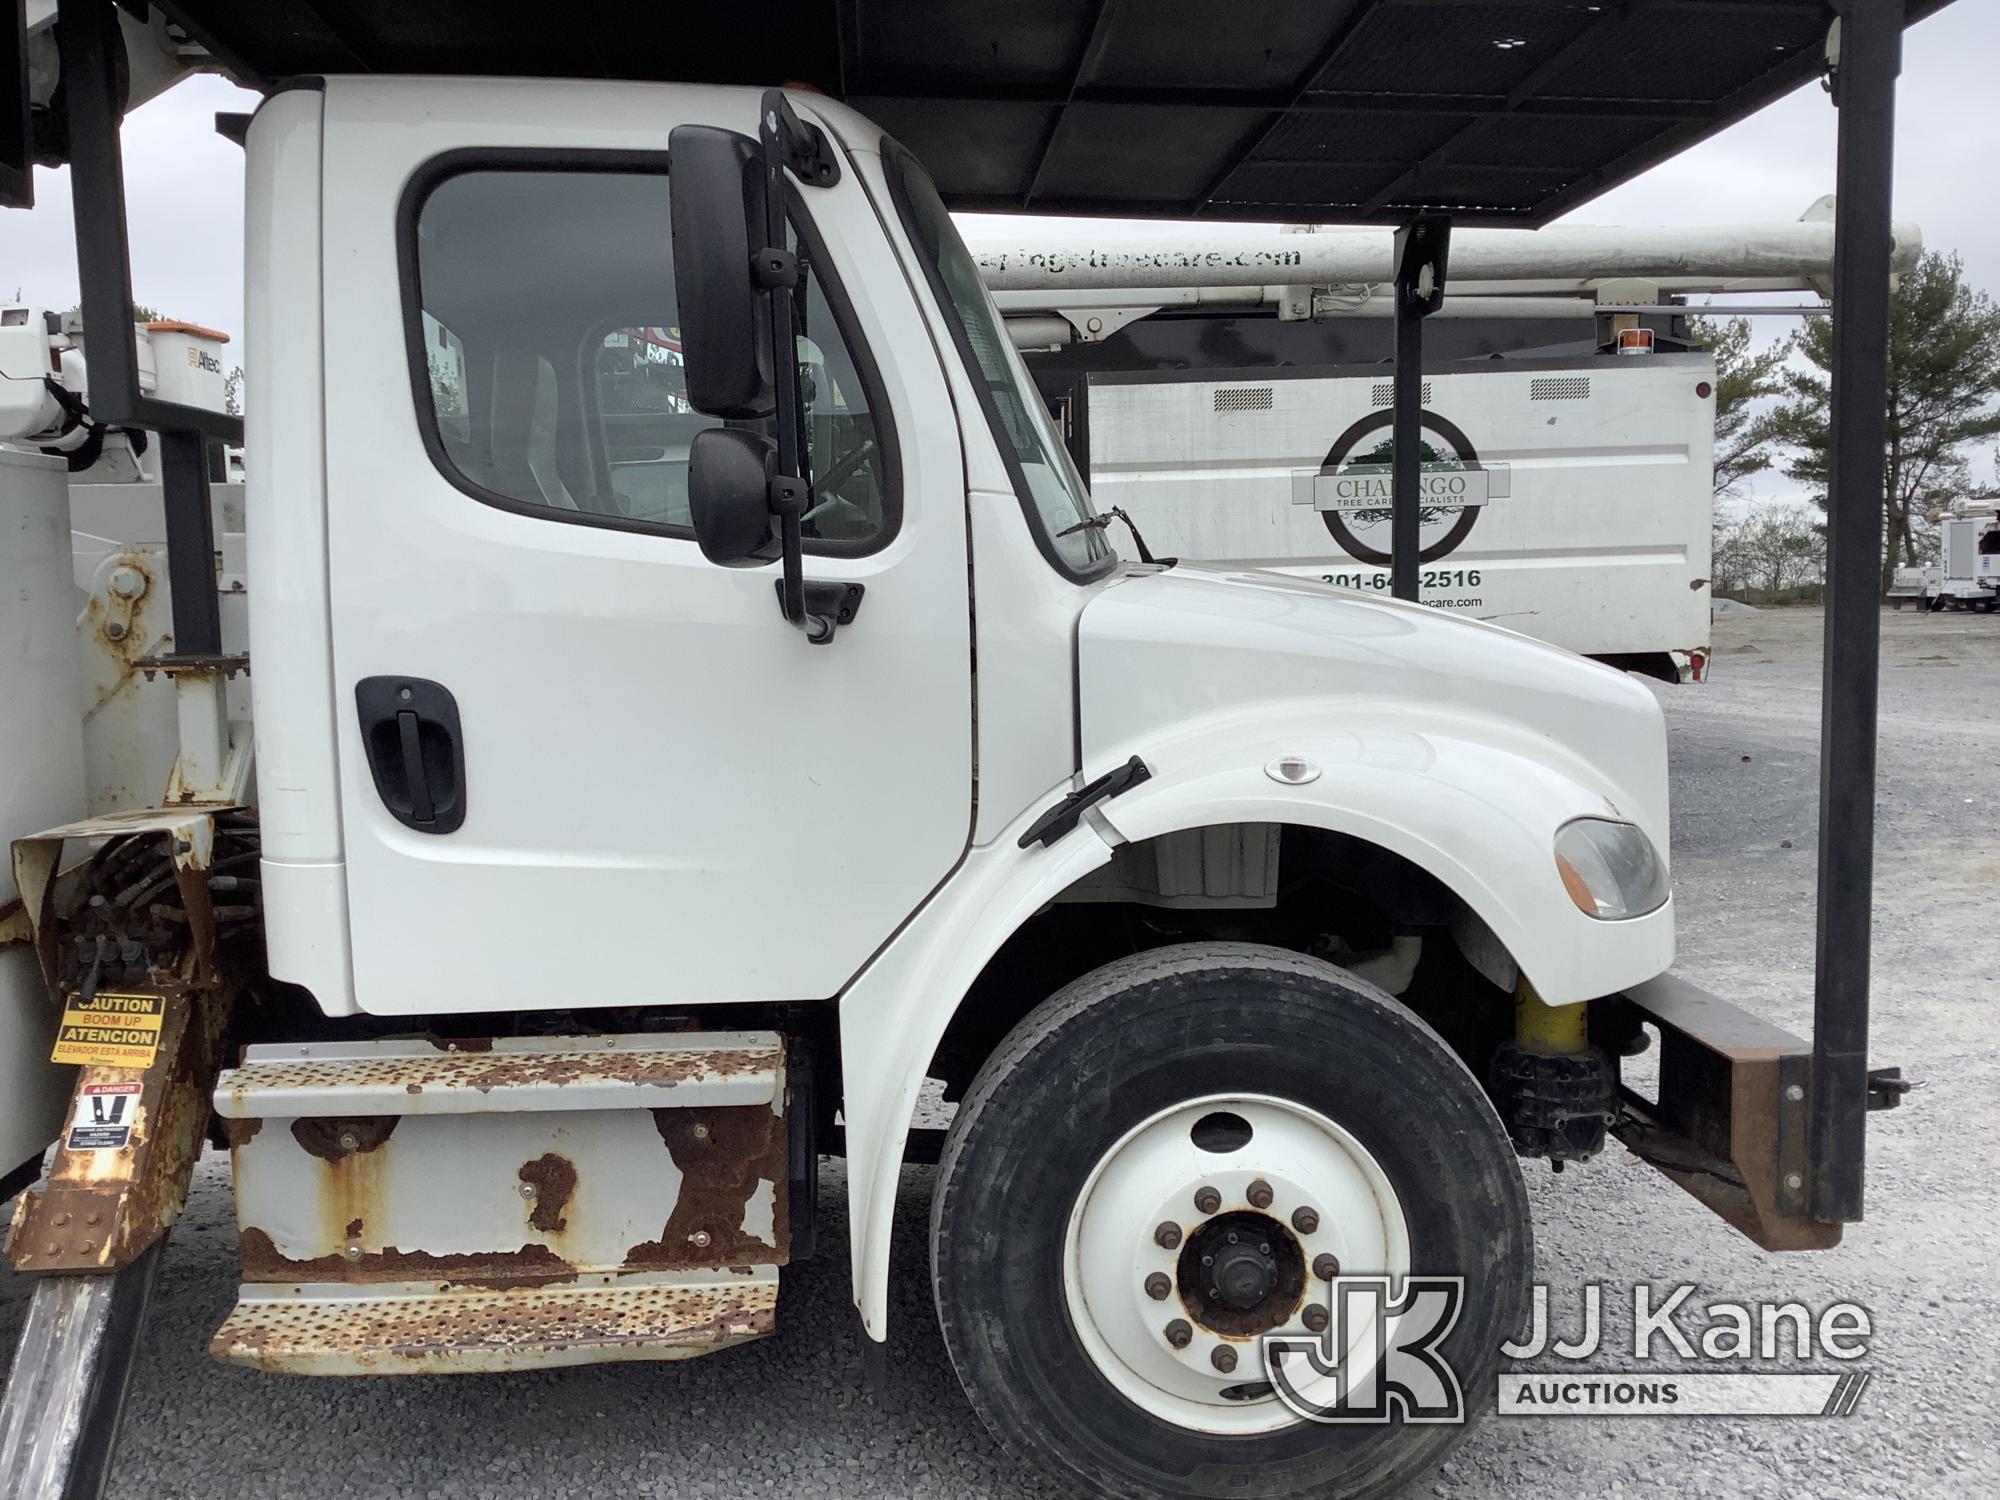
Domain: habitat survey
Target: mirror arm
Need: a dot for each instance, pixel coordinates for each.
(788, 504)
(786, 141)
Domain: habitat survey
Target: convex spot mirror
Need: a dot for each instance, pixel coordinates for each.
(715, 184)
(729, 496)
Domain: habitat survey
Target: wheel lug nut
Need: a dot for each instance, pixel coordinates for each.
(1157, 1286)
(1232, 1236)
(1260, 1194)
(1326, 1267)
(1179, 1334)
(1167, 1236)
(1315, 1318)
(1305, 1220)
(1207, 1200)
(1224, 1358)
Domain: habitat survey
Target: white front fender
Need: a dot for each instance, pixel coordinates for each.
(1479, 815)
(1473, 804)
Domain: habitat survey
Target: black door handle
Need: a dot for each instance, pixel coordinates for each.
(415, 750)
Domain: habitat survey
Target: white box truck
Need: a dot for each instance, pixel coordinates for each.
(1568, 498)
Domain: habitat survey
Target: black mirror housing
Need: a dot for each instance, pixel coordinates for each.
(715, 186)
(729, 496)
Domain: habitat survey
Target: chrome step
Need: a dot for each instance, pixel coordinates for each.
(434, 1328)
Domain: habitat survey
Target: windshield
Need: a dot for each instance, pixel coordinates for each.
(1052, 492)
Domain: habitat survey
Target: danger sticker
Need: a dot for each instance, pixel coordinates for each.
(103, 1118)
(110, 1031)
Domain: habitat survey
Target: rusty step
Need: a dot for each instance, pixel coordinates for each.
(410, 1205)
(434, 1328)
(667, 1070)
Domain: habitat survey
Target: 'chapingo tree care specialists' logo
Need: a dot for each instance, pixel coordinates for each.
(1351, 488)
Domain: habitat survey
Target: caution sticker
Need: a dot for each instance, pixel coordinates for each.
(110, 1031)
(103, 1118)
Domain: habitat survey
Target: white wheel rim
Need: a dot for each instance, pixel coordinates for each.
(1149, 1178)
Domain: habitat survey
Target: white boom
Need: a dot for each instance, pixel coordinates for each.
(1096, 284)
(1576, 253)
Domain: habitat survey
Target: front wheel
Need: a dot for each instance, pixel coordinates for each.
(1175, 1156)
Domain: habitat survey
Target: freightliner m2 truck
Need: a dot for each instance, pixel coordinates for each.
(614, 840)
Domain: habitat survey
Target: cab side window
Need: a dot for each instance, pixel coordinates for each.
(547, 366)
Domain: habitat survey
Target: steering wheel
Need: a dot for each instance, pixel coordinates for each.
(829, 483)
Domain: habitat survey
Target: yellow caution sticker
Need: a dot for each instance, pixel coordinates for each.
(110, 1031)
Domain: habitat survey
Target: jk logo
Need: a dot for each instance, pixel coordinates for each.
(1378, 1357)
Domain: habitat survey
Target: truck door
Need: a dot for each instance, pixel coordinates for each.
(579, 765)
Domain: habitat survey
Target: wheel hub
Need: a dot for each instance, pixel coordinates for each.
(1242, 1274)
(1202, 1230)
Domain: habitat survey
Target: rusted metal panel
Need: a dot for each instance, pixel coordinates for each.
(734, 1178)
(187, 837)
(488, 1183)
(1730, 1124)
(98, 1208)
(677, 1070)
(427, 1328)
(517, 1198)
(137, 922)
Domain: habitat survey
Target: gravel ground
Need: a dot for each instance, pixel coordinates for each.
(789, 1415)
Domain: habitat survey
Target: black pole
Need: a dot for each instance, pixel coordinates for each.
(1865, 92)
(1420, 253)
(190, 543)
(88, 44)
(1405, 533)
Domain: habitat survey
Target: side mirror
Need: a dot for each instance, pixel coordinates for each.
(715, 186)
(736, 282)
(729, 496)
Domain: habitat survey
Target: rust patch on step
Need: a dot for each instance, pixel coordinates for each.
(531, 1265)
(553, 1178)
(241, 1132)
(329, 1139)
(492, 1329)
(724, 1156)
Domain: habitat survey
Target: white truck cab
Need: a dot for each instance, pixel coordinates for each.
(696, 702)
(534, 734)
(699, 723)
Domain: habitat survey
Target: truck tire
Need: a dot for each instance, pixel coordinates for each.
(1087, 1282)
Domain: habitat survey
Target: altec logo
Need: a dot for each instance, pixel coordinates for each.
(1382, 1358)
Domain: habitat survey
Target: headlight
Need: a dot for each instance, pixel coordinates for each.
(1610, 870)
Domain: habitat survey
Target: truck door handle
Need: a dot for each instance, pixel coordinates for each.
(409, 727)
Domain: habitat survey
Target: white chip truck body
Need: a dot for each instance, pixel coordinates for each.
(1568, 498)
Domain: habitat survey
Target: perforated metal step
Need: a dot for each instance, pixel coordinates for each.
(432, 1329)
(668, 1070)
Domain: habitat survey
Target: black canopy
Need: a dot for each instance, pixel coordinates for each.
(1498, 111)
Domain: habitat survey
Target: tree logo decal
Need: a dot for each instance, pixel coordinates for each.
(1351, 488)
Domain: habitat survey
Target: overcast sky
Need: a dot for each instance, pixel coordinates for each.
(184, 183)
